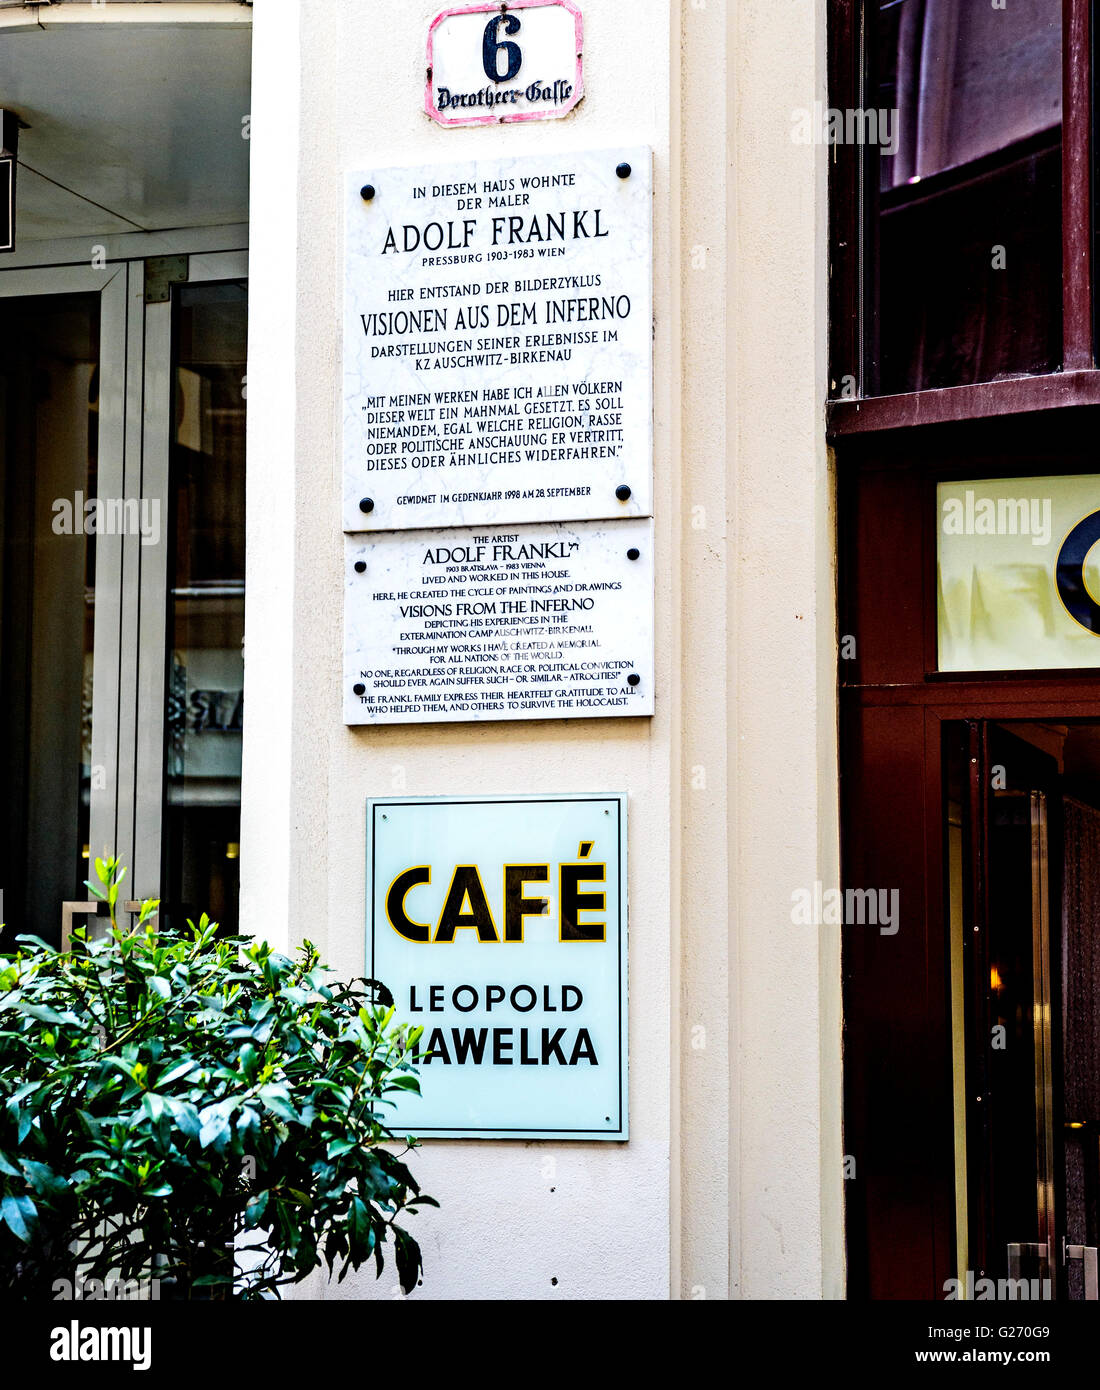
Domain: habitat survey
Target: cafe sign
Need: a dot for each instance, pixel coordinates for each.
(498, 925)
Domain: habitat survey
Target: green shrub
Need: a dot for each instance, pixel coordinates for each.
(168, 1095)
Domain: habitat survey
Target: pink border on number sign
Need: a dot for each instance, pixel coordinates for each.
(578, 87)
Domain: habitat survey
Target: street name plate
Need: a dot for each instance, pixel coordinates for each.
(498, 924)
(490, 63)
(498, 330)
(535, 622)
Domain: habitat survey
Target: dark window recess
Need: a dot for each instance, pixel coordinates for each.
(205, 702)
(953, 309)
(49, 447)
(964, 193)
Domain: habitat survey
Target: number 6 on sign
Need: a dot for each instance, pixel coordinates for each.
(517, 62)
(492, 48)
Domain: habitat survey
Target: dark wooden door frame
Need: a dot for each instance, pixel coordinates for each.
(899, 1121)
(890, 451)
(894, 705)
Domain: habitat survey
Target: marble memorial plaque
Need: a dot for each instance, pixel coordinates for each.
(551, 621)
(498, 329)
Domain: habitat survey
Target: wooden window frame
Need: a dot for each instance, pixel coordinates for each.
(851, 287)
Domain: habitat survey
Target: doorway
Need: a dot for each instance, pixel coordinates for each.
(1022, 825)
(122, 412)
(123, 325)
(969, 788)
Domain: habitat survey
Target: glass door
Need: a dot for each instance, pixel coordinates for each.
(62, 455)
(1025, 928)
(121, 584)
(205, 637)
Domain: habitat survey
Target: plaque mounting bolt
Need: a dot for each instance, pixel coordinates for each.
(623, 170)
(360, 567)
(359, 689)
(633, 554)
(634, 680)
(366, 504)
(367, 192)
(622, 492)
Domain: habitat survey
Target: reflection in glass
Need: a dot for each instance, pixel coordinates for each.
(49, 402)
(966, 231)
(205, 708)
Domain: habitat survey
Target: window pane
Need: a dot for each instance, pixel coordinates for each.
(966, 227)
(1019, 573)
(206, 606)
(49, 403)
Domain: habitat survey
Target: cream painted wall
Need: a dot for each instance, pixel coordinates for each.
(786, 1197)
(730, 1184)
(515, 1216)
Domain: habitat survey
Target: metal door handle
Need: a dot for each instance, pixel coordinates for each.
(68, 912)
(1087, 1254)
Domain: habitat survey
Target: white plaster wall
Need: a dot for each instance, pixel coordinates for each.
(758, 1082)
(786, 1169)
(514, 1216)
(731, 1183)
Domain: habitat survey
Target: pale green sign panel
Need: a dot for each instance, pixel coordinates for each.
(1019, 573)
(498, 924)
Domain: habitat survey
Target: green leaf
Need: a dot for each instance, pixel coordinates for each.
(407, 1256)
(159, 985)
(183, 1068)
(44, 1014)
(215, 1128)
(275, 1100)
(43, 1179)
(19, 1215)
(404, 1083)
(254, 1211)
(153, 1105)
(360, 1230)
(187, 1118)
(37, 941)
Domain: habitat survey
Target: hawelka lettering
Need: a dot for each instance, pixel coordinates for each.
(580, 224)
(503, 1047)
(466, 907)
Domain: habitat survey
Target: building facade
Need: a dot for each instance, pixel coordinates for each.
(866, 304)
